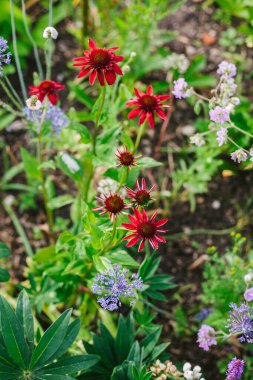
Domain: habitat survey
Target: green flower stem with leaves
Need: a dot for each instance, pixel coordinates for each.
(139, 136)
(100, 109)
(9, 94)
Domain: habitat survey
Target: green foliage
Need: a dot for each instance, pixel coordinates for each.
(123, 356)
(4, 254)
(22, 359)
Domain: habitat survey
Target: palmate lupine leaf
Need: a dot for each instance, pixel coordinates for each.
(25, 316)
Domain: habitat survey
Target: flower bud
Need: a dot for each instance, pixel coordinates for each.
(50, 32)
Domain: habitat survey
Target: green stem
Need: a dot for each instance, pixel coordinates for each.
(14, 38)
(35, 49)
(8, 93)
(19, 228)
(48, 56)
(109, 245)
(139, 136)
(123, 178)
(242, 131)
(12, 89)
(100, 109)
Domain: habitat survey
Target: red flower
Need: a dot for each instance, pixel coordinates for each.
(126, 158)
(144, 229)
(147, 105)
(113, 204)
(98, 62)
(47, 88)
(141, 196)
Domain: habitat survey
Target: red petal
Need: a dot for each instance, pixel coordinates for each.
(129, 226)
(118, 58)
(110, 77)
(138, 93)
(160, 238)
(53, 98)
(101, 78)
(131, 103)
(117, 69)
(162, 98)
(161, 222)
(84, 72)
(92, 77)
(92, 44)
(151, 120)
(141, 246)
(132, 242)
(160, 113)
(134, 113)
(150, 90)
(142, 117)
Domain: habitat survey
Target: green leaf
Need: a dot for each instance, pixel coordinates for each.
(8, 373)
(13, 334)
(83, 132)
(54, 377)
(73, 330)
(150, 341)
(148, 162)
(4, 251)
(4, 275)
(25, 316)
(31, 165)
(60, 201)
(72, 365)
(51, 340)
(124, 338)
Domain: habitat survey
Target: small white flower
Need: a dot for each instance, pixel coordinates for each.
(186, 367)
(197, 139)
(50, 32)
(248, 278)
(70, 162)
(33, 103)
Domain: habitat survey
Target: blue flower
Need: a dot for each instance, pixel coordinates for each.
(240, 322)
(114, 283)
(54, 114)
(4, 57)
(203, 314)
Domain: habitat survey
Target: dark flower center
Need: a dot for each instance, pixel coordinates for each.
(114, 204)
(46, 85)
(142, 197)
(100, 58)
(126, 158)
(147, 229)
(148, 102)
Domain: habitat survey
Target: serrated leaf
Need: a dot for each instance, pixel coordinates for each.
(60, 201)
(51, 340)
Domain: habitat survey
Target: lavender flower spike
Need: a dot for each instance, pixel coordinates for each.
(5, 58)
(113, 284)
(235, 369)
(226, 69)
(206, 337)
(239, 156)
(240, 322)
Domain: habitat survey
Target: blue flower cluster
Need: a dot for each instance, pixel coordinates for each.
(113, 284)
(4, 57)
(240, 322)
(54, 114)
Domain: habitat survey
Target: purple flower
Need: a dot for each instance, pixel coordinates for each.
(239, 155)
(240, 322)
(219, 115)
(227, 69)
(251, 154)
(248, 295)
(222, 136)
(4, 57)
(54, 114)
(181, 89)
(197, 139)
(206, 337)
(113, 284)
(235, 369)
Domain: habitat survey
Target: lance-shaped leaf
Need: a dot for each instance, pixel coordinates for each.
(50, 341)
(73, 330)
(9, 373)
(25, 316)
(13, 336)
(71, 365)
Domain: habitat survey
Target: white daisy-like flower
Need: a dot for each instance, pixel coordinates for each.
(50, 32)
(33, 103)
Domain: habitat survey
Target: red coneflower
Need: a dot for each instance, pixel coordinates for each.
(126, 158)
(144, 229)
(113, 203)
(140, 196)
(147, 105)
(47, 88)
(98, 62)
